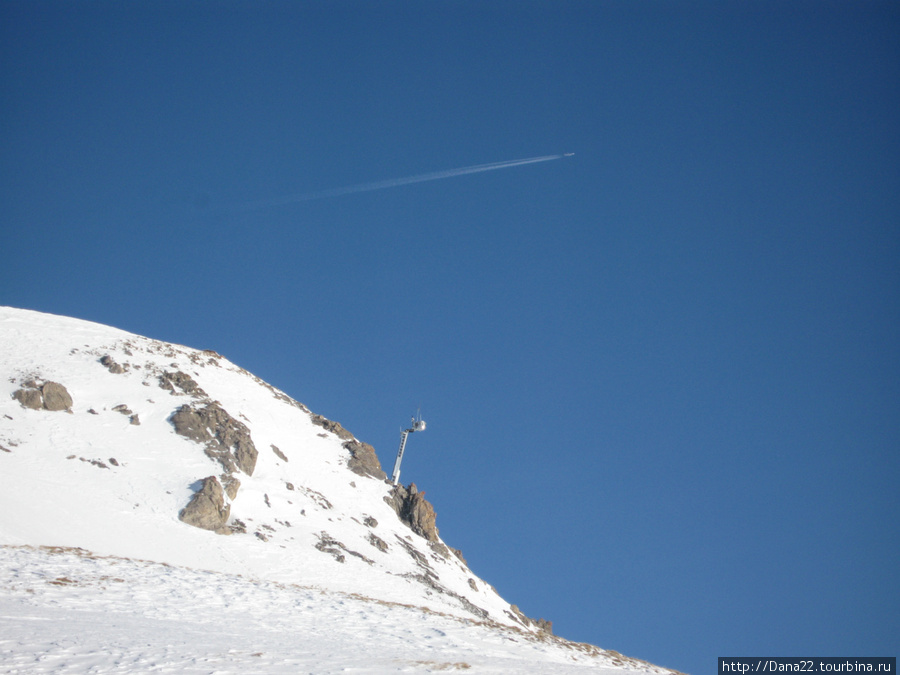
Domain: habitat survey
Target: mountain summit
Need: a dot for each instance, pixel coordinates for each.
(116, 447)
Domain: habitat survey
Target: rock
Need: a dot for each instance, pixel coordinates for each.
(226, 439)
(328, 544)
(29, 398)
(111, 365)
(279, 453)
(414, 510)
(542, 625)
(333, 427)
(207, 509)
(378, 543)
(183, 381)
(231, 485)
(49, 396)
(363, 460)
(190, 424)
(56, 397)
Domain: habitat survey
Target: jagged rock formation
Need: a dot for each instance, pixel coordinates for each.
(414, 510)
(110, 364)
(225, 439)
(46, 396)
(125, 410)
(363, 460)
(29, 397)
(330, 545)
(542, 625)
(207, 508)
(333, 427)
(178, 380)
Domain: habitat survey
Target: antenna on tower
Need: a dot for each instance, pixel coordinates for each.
(416, 424)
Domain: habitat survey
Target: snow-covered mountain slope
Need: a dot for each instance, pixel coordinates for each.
(269, 519)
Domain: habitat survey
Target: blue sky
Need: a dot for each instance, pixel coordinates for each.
(661, 377)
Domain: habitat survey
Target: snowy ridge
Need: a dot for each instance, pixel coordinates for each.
(317, 549)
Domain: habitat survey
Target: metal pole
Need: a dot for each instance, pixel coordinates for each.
(396, 475)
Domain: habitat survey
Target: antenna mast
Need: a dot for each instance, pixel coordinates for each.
(416, 424)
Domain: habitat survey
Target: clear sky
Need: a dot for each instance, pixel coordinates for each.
(661, 377)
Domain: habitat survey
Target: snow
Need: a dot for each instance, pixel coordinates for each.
(100, 575)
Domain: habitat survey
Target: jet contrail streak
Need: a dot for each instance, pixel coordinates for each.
(395, 182)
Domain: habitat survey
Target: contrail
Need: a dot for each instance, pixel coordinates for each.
(395, 182)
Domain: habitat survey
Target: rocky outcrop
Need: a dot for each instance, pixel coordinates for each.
(29, 398)
(207, 508)
(125, 410)
(225, 439)
(332, 426)
(110, 364)
(363, 460)
(182, 381)
(414, 510)
(46, 396)
(542, 625)
(56, 397)
(330, 545)
(428, 577)
(378, 542)
(231, 485)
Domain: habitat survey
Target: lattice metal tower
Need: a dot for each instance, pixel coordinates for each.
(416, 424)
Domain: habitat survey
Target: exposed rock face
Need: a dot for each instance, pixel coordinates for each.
(29, 398)
(231, 485)
(226, 439)
(333, 427)
(48, 396)
(207, 508)
(541, 624)
(429, 578)
(279, 453)
(178, 380)
(363, 460)
(56, 397)
(111, 365)
(377, 542)
(414, 510)
(328, 544)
